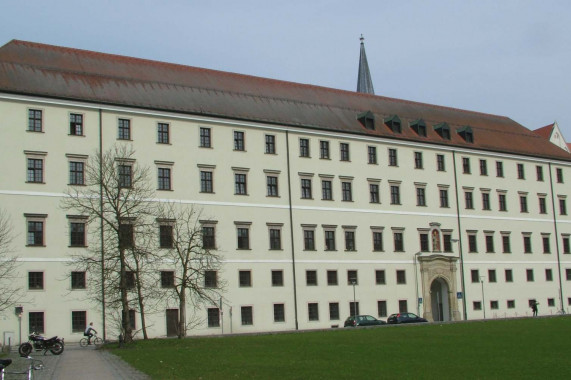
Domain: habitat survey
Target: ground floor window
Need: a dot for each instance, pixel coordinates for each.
(36, 322)
(313, 312)
(477, 305)
(213, 317)
(78, 321)
(279, 312)
(403, 306)
(382, 308)
(247, 314)
(334, 311)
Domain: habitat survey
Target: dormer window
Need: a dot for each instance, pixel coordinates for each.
(367, 119)
(466, 133)
(443, 130)
(419, 126)
(394, 123)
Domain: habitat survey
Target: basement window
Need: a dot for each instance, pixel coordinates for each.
(394, 123)
(419, 126)
(443, 130)
(367, 119)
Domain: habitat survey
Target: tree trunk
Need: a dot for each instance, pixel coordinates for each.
(182, 314)
(141, 301)
(126, 318)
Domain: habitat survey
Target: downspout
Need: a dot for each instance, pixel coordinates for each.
(459, 237)
(556, 239)
(291, 232)
(102, 233)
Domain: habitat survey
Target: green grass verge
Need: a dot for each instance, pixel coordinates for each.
(537, 348)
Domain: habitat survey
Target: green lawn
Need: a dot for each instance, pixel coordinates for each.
(538, 348)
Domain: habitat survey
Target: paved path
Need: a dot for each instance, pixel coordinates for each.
(77, 363)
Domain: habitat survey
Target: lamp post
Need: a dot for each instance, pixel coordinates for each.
(353, 282)
(483, 298)
(416, 282)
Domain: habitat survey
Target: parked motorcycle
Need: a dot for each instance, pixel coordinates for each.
(38, 343)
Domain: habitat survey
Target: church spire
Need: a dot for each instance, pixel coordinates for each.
(364, 81)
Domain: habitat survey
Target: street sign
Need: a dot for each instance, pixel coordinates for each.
(459, 295)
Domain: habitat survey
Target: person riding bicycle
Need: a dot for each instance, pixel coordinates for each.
(88, 332)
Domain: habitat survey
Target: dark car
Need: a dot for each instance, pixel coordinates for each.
(363, 320)
(404, 318)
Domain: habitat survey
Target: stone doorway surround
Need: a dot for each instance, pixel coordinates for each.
(443, 268)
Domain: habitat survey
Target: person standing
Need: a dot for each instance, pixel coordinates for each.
(89, 330)
(534, 304)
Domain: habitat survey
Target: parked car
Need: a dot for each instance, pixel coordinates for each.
(363, 320)
(404, 318)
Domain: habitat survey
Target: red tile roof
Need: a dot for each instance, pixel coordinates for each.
(545, 132)
(58, 72)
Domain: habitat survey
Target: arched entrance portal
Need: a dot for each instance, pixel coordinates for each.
(439, 299)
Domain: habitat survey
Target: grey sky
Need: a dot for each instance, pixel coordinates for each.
(510, 58)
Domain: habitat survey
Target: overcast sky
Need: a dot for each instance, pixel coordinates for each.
(504, 57)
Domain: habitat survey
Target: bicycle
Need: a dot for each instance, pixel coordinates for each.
(97, 341)
(34, 365)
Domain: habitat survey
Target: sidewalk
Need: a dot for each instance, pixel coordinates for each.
(79, 363)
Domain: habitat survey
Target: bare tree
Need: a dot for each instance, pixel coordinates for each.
(194, 258)
(117, 202)
(11, 292)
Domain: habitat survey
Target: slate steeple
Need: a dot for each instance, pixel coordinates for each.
(364, 81)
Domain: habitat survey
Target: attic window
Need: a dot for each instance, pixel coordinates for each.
(443, 130)
(393, 122)
(419, 126)
(367, 119)
(466, 133)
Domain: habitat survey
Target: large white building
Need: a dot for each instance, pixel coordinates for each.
(317, 197)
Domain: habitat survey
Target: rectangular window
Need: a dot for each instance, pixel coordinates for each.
(551, 302)
(309, 240)
(350, 241)
(423, 242)
(165, 236)
(395, 195)
(475, 275)
(472, 243)
(443, 198)
(330, 240)
(468, 197)
(440, 163)
(78, 280)
(418, 160)
(447, 242)
(511, 304)
(539, 170)
(163, 133)
(324, 149)
(546, 244)
(526, 244)
(568, 274)
(393, 161)
(548, 275)
(483, 167)
(304, 147)
(506, 245)
(124, 129)
(334, 311)
(520, 171)
(239, 141)
(208, 237)
(352, 277)
(36, 322)
(125, 176)
(562, 206)
(486, 201)
(167, 279)
(275, 239)
(477, 305)
(332, 278)
(205, 138)
(374, 193)
(247, 315)
(164, 178)
(566, 244)
(129, 279)
(380, 277)
(382, 309)
(78, 321)
(466, 165)
(403, 306)
(311, 278)
(372, 154)
(491, 275)
(529, 275)
(210, 279)
(213, 314)
(377, 241)
(542, 205)
(77, 234)
(509, 275)
(523, 203)
(354, 308)
(502, 202)
(490, 244)
(272, 186)
(245, 278)
(76, 124)
(279, 312)
(277, 278)
(206, 182)
(494, 305)
(420, 196)
(499, 169)
(344, 151)
(243, 238)
(76, 173)
(326, 190)
(306, 188)
(240, 186)
(346, 191)
(35, 170)
(126, 236)
(313, 312)
(398, 241)
(35, 234)
(35, 280)
(270, 144)
(35, 121)
(559, 175)
(401, 277)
